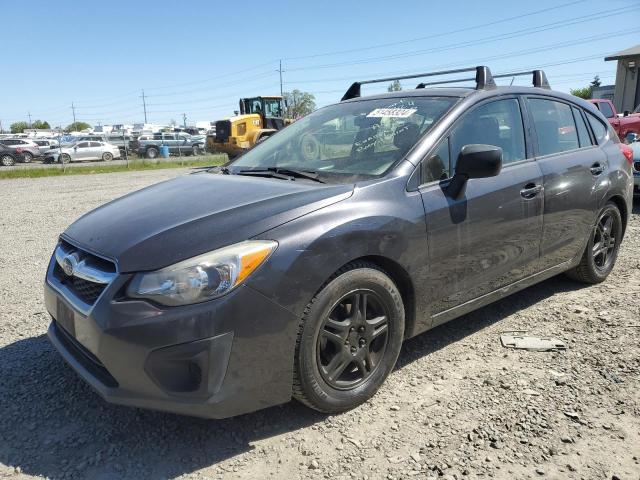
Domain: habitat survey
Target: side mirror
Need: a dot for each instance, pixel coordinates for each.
(626, 113)
(474, 161)
(631, 137)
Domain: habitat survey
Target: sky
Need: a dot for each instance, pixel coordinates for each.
(199, 57)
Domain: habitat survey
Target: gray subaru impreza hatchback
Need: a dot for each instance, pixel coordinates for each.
(298, 269)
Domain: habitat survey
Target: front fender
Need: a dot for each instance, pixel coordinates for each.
(380, 220)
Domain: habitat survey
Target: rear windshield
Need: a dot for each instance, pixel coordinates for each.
(364, 138)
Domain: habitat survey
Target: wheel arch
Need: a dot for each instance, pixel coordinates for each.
(622, 206)
(400, 278)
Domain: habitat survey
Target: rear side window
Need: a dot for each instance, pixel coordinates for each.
(599, 130)
(555, 127)
(496, 123)
(583, 131)
(606, 109)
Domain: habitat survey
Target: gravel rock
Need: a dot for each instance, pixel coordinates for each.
(456, 399)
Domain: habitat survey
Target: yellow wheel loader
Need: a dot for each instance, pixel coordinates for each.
(258, 118)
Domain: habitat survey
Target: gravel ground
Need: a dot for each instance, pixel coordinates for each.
(458, 405)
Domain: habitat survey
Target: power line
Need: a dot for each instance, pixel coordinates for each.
(505, 36)
(451, 32)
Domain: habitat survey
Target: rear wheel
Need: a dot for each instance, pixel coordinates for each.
(349, 339)
(28, 157)
(152, 152)
(601, 253)
(107, 157)
(7, 160)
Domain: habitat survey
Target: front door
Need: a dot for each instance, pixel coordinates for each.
(489, 236)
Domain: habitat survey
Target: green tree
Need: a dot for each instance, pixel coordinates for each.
(41, 124)
(394, 86)
(298, 104)
(19, 127)
(77, 127)
(581, 92)
(595, 82)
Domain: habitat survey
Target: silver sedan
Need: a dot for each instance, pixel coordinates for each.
(83, 151)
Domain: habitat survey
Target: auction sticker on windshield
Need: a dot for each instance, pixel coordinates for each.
(392, 113)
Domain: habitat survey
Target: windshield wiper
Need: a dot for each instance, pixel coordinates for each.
(283, 173)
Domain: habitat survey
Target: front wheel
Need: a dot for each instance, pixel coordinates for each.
(602, 249)
(152, 153)
(7, 160)
(349, 339)
(28, 157)
(65, 158)
(196, 150)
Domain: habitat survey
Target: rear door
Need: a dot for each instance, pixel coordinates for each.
(490, 236)
(81, 151)
(571, 166)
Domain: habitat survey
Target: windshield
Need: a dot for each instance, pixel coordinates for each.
(363, 139)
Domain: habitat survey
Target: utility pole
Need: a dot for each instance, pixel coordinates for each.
(144, 106)
(73, 109)
(1, 131)
(29, 113)
(280, 72)
(184, 120)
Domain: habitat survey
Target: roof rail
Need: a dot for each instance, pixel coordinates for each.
(539, 78)
(483, 80)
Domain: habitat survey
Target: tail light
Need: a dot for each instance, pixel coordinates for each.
(18, 150)
(627, 152)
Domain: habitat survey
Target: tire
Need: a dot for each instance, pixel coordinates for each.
(340, 362)
(152, 152)
(7, 160)
(107, 157)
(196, 150)
(600, 255)
(65, 158)
(28, 157)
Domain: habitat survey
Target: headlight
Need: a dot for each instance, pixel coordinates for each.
(203, 277)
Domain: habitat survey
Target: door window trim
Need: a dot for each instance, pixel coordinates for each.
(529, 157)
(570, 104)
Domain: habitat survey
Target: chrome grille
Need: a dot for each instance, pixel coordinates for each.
(84, 274)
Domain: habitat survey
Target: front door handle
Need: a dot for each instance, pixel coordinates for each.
(530, 190)
(596, 169)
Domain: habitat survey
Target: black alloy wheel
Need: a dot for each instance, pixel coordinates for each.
(604, 241)
(601, 252)
(349, 339)
(352, 339)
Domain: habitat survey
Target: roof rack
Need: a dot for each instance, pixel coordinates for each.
(483, 80)
(539, 78)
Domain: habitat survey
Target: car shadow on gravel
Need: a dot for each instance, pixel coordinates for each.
(53, 425)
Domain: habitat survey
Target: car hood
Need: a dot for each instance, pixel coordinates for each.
(194, 214)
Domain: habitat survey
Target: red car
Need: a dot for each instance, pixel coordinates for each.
(628, 123)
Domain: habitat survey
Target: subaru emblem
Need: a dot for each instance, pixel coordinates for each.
(69, 264)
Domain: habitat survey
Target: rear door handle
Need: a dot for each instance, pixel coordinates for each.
(596, 169)
(530, 190)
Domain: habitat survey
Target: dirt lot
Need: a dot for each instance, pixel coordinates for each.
(458, 406)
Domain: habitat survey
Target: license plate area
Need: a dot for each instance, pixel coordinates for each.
(65, 317)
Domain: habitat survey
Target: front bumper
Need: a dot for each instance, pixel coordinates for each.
(216, 359)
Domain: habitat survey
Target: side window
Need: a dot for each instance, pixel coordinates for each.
(599, 130)
(555, 128)
(83, 145)
(436, 165)
(496, 123)
(583, 132)
(96, 144)
(606, 109)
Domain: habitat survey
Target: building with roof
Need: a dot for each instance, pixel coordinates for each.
(627, 91)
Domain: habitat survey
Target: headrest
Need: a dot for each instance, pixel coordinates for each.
(406, 136)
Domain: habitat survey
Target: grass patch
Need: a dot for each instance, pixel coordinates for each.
(102, 167)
